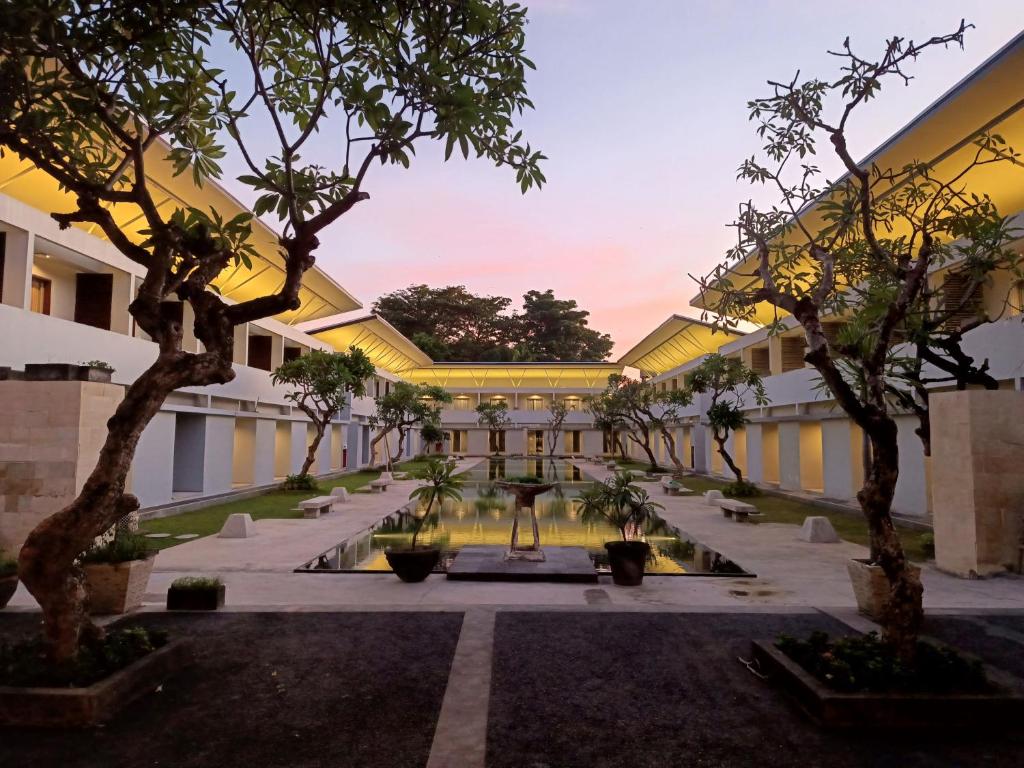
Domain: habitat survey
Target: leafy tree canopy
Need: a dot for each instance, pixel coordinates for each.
(456, 325)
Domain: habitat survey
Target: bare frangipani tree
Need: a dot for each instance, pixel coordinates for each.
(90, 93)
(559, 412)
(858, 250)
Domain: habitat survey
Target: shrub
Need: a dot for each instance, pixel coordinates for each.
(126, 545)
(197, 583)
(8, 565)
(741, 488)
(299, 483)
(102, 365)
(866, 664)
(928, 544)
(25, 664)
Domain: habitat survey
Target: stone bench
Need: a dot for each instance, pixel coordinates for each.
(379, 486)
(672, 487)
(318, 505)
(740, 511)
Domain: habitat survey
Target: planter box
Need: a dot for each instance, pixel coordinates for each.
(832, 709)
(117, 587)
(195, 599)
(65, 372)
(77, 707)
(871, 587)
(8, 585)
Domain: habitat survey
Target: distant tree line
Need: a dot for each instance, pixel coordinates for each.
(453, 324)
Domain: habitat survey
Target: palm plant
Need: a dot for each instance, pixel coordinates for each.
(441, 483)
(623, 504)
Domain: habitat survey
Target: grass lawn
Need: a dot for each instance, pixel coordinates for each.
(851, 527)
(276, 504)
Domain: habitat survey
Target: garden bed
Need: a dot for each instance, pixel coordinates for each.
(998, 706)
(64, 707)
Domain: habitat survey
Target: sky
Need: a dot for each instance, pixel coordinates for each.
(641, 110)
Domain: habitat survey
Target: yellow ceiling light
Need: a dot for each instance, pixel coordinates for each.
(515, 377)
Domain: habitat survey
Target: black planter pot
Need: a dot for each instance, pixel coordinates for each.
(8, 586)
(195, 599)
(627, 559)
(413, 565)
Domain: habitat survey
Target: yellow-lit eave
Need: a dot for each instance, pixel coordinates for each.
(320, 296)
(676, 342)
(515, 377)
(386, 347)
(988, 100)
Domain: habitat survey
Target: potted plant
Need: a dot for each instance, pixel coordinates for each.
(196, 593)
(117, 571)
(8, 578)
(414, 564)
(629, 509)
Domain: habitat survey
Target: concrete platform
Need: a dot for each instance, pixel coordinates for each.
(487, 563)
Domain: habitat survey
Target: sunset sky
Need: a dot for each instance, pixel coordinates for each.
(640, 107)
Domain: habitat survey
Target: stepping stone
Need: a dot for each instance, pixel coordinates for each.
(238, 526)
(818, 530)
(711, 498)
(187, 536)
(158, 535)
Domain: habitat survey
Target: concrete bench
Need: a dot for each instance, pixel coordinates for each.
(740, 511)
(318, 505)
(672, 487)
(379, 486)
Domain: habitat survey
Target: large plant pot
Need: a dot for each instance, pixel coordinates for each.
(195, 599)
(871, 587)
(413, 565)
(8, 586)
(627, 560)
(117, 587)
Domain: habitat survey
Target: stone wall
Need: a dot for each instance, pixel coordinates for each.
(50, 435)
(977, 482)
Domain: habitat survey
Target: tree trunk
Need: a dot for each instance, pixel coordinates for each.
(720, 439)
(47, 559)
(398, 451)
(904, 613)
(377, 439)
(321, 428)
(670, 443)
(646, 445)
(617, 441)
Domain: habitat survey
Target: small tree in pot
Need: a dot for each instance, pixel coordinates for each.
(626, 506)
(117, 571)
(415, 564)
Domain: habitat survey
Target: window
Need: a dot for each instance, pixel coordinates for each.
(535, 404)
(41, 289)
(572, 403)
(93, 299)
(461, 403)
(260, 352)
(292, 353)
(497, 441)
(498, 400)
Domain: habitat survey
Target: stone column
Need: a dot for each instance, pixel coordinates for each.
(152, 467)
(976, 495)
(755, 450)
(18, 247)
(837, 459)
(51, 433)
(789, 455)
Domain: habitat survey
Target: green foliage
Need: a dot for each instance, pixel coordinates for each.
(321, 382)
(299, 483)
(197, 583)
(927, 541)
(623, 505)
(494, 415)
(431, 432)
(866, 664)
(453, 324)
(102, 365)
(740, 489)
(25, 664)
(440, 483)
(408, 405)
(8, 565)
(125, 545)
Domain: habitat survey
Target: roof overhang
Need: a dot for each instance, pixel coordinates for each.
(676, 342)
(516, 377)
(988, 100)
(386, 347)
(320, 295)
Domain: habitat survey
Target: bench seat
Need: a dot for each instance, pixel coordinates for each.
(740, 511)
(313, 508)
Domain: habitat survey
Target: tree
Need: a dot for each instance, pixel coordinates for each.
(455, 325)
(440, 483)
(728, 381)
(619, 502)
(323, 383)
(605, 418)
(494, 416)
(879, 230)
(92, 93)
(556, 330)
(406, 406)
(431, 434)
(559, 412)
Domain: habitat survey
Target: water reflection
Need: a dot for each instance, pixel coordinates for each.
(485, 514)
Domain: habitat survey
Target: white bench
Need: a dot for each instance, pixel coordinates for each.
(740, 511)
(318, 505)
(672, 487)
(379, 485)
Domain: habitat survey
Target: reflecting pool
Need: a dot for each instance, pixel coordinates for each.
(485, 514)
